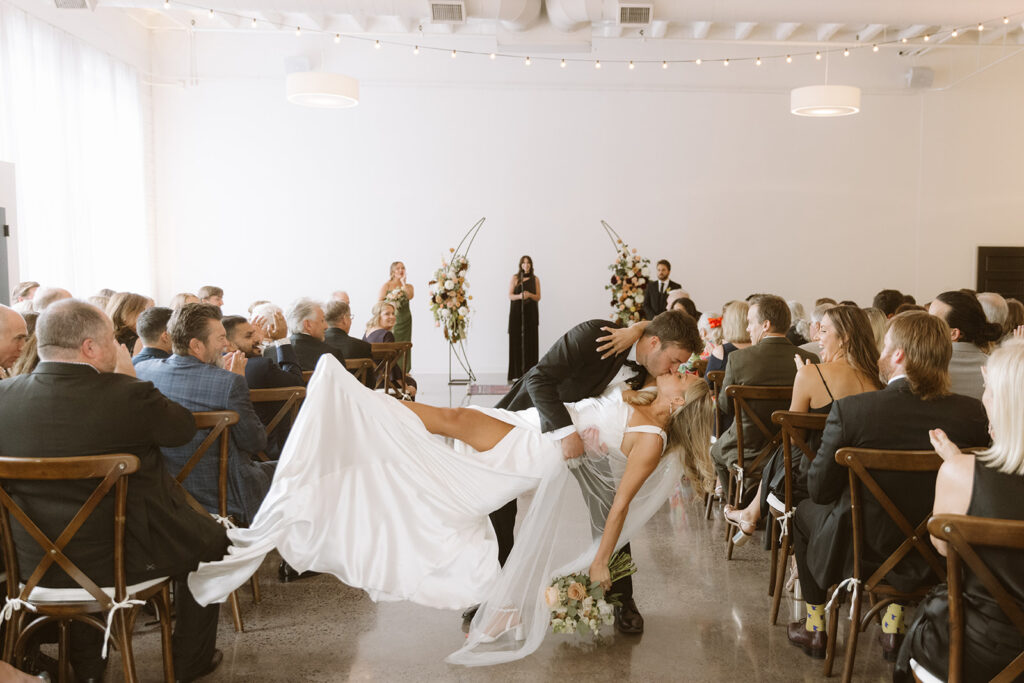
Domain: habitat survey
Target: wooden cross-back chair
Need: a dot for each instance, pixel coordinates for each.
(26, 600)
(741, 396)
(861, 463)
(363, 369)
(307, 375)
(794, 428)
(963, 535)
(219, 423)
(715, 377)
(290, 399)
(387, 356)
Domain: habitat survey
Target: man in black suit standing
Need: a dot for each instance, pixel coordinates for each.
(83, 399)
(307, 324)
(914, 363)
(572, 370)
(656, 293)
(152, 329)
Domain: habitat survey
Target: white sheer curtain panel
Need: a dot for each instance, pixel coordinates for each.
(71, 121)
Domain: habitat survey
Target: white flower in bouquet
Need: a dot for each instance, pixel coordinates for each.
(628, 303)
(646, 270)
(445, 312)
(588, 604)
(639, 298)
(551, 598)
(449, 285)
(462, 273)
(463, 311)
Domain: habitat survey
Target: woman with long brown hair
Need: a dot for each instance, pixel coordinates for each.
(849, 365)
(523, 320)
(124, 309)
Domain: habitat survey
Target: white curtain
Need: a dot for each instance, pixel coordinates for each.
(72, 122)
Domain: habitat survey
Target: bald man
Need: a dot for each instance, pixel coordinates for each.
(48, 295)
(13, 334)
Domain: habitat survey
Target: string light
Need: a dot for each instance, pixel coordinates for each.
(874, 48)
(1006, 20)
(453, 54)
(563, 64)
(167, 4)
(376, 45)
(699, 61)
(527, 62)
(211, 13)
(758, 62)
(817, 55)
(903, 40)
(254, 22)
(337, 37)
(664, 65)
(416, 49)
(631, 65)
(493, 56)
(725, 63)
(981, 27)
(846, 52)
(298, 31)
(789, 59)
(955, 33)
(927, 37)
(597, 64)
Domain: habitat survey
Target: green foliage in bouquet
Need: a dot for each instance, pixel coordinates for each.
(579, 605)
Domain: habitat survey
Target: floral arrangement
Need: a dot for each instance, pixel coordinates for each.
(449, 301)
(578, 605)
(629, 278)
(397, 297)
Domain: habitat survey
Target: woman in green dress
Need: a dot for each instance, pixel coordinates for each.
(400, 293)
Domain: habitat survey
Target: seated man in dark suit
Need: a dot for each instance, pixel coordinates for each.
(152, 329)
(13, 335)
(306, 322)
(769, 362)
(338, 317)
(915, 363)
(192, 378)
(83, 399)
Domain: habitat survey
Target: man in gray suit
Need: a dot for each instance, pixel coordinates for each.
(768, 362)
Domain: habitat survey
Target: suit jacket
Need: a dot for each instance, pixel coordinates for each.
(149, 353)
(309, 349)
(571, 370)
(199, 387)
(655, 300)
(893, 418)
(263, 372)
(767, 363)
(348, 345)
(67, 409)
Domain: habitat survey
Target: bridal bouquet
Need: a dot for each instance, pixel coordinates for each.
(449, 301)
(577, 605)
(396, 296)
(629, 278)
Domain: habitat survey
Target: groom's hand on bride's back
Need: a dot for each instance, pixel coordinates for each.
(572, 446)
(620, 339)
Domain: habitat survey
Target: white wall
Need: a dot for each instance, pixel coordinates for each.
(274, 201)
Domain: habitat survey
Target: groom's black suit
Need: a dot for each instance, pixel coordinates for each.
(571, 370)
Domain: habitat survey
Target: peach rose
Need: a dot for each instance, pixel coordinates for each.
(551, 597)
(577, 591)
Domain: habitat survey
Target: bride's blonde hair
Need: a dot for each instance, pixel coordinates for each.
(689, 432)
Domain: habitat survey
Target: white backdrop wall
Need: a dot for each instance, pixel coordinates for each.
(270, 200)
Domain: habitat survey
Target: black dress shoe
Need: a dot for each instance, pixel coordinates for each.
(215, 661)
(285, 573)
(628, 618)
(813, 643)
(890, 643)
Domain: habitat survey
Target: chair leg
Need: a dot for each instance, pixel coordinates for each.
(163, 601)
(123, 637)
(833, 631)
(774, 569)
(236, 612)
(709, 504)
(63, 651)
(851, 640)
(780, 578)
(255, 582)
(728, 499)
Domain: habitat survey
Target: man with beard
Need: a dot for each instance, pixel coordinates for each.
(201, 377)
(914, 364)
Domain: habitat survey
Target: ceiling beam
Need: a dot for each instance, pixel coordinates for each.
(826, 31)
(912, 32)
(744, 29)
(989, 36)
(869, 32)
(785, 31)
(701, 29)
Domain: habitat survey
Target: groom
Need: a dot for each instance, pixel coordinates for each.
(572, 370)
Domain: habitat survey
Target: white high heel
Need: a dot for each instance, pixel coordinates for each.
(505, 620)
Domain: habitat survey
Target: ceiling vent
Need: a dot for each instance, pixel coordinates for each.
(448, 12)
(75, 4)
(635, 15)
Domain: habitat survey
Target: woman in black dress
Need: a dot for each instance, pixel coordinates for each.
(524, 293)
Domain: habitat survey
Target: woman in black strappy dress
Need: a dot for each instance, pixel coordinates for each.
(523, 320)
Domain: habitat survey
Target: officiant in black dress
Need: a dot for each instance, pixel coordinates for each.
(523, 318)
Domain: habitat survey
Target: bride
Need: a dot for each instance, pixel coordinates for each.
(368, 489)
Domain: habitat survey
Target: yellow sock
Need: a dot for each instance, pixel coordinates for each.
(892, 621)
(815, 617)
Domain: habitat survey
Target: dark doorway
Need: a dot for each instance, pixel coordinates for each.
(5, 232)
(1001, 270)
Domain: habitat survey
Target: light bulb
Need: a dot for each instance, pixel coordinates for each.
(903, 40)
(981, 27)
(631, 65)
(725, 63)
(955, 33)
(337, 37)
(699, 61)
(167, 3)
(453, 54)
(376, 45)
(298, 31)
(211, 12)
(664, 65)
(416, 49)
(874, 48)
(254, 22)
(528, 62)
(758, 62)
(817, 56)
(493, 56)
(563, 64)
(846, 52)
(1006, 20)
(789, 59)
(927, 37)
(597, 64)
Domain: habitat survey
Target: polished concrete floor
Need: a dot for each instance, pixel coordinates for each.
(706, 620)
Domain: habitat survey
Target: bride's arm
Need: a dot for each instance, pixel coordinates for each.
(643, 459)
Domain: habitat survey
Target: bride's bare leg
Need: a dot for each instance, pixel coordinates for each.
(479, 430)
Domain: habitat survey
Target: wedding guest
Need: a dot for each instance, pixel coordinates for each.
(341, 295)
(995, 307)
(887, 301)
(156, 340)
(799, 332)
(82, 399)
(183, 298)
(307, 324)
(817, 314)
(878, 325)
(254, 304)
(47, 295)
(972, 337)
(210, 294)
(847, 302)
(338, 316)
(849, 365)
(989, 484)
(825, 300)
(710, 328)
(917, 398)
(192, 378)
(13, 335)
(909, 299)
(24, 291)
(1014, 318)
(99, 301)
(29, 358)
(124, 309)
(523, 319)
(734, 335)
(678, 300)
(656, 292)
(399, 292)
(30, 321)
(379, 330)
(767, 362)
(903, 308)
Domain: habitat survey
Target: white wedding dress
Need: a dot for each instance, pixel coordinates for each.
(363, 491)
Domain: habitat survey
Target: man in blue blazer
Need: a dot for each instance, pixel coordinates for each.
(192, 378)
(152, 329)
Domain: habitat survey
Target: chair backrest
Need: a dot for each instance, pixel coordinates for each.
(219, 423)
(962, 535)
(794, 427)
(387, 356)
(307, 375)
(741, 396)
(290, 399)
(111, 470)
(861, 463)
(362, 368)
(716, 377)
